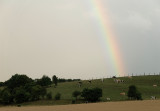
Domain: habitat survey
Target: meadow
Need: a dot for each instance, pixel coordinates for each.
(110, 89)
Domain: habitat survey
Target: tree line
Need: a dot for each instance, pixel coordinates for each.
(21, 88)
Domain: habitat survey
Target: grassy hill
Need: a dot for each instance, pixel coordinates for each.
(109, 87)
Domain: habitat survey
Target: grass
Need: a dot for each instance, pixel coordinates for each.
(110, 89)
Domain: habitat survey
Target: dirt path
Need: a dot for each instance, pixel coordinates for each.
(108, 106)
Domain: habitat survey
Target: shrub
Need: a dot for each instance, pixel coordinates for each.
(92, 95)
(21, 95)
(6, 97)
(76, 94)
(57, 96)
(73, 101)
(18, 105)
(49, 96)
(36, 92)
(133, 93)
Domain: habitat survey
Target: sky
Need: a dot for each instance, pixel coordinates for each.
(64, 38)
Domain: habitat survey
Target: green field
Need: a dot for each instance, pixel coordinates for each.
(110, 89)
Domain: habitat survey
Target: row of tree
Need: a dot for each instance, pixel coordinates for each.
(21, 88)
(44, 81)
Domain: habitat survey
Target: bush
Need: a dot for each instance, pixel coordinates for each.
(36, 92)
(92, 95)
(133, 93)
(6, 97)
(21, 95)
(76, 94)
(57, 96)
(73, 101)
(49, 96)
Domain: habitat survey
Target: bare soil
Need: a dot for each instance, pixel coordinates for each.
(147, 105)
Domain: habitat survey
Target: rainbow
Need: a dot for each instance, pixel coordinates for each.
(106, 32)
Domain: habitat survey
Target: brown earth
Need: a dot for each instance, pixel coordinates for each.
(147, 105)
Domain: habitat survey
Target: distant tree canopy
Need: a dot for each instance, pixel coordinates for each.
(17, 81)
(76, 94)
(67, 80)
(1, 84)
(55, 80)
(133, 93)
(44, 81)
(21, 88)
(92, 95)
(6, 97)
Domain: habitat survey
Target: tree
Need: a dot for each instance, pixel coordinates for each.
(1, 84)
(21, 95)
(55, 80)
(36, 92)
(6, 97)
(17, 81)
(76, 94)
(92, 95)
(43, 92)
(44, 81)
(133, 93)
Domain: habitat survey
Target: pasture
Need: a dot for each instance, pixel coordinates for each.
(112, 89)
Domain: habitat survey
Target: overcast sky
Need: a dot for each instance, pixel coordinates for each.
(59, 37)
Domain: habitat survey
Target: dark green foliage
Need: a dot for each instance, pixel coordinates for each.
(20, 88)
(28, 86)
(57, 96)
(61, 80)
(21, 95)
(55, 80)
(36, 92)
(73, 101)
(67, 80)
(43, 92)
(49, 95)
(17, 81)
(19, 105)
(133, 93)
(138, 96)
(76, 94)
(92, 95)
(6, 97)
(44, 81)
(1, 84)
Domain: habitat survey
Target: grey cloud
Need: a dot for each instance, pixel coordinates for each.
(60, 37)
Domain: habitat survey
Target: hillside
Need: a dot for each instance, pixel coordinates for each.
(110, 88)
